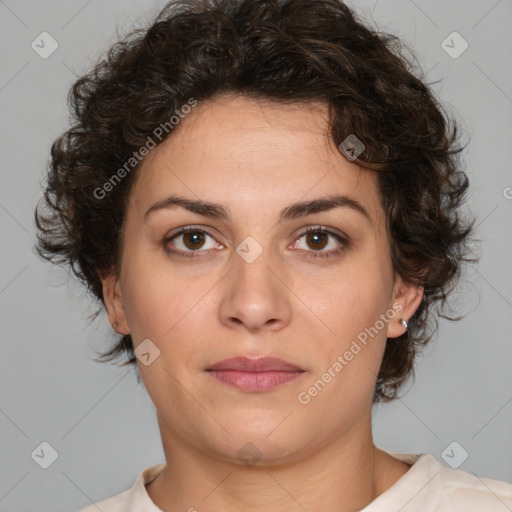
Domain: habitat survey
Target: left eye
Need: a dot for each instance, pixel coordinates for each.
(318, 238)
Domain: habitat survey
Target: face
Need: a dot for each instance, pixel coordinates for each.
(249, 280)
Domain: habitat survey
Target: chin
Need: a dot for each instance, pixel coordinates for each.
(259, 444)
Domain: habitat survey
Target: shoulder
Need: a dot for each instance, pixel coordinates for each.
(133, 499)
(431, 486)
(116, 503)
(461, 490)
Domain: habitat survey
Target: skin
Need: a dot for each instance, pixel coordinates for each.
(255, 158)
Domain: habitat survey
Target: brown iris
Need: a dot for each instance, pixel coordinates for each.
(317, 239)
(196, 239)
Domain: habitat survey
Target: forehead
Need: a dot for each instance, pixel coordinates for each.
(253, 155)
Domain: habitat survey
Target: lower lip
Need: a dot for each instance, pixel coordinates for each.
(254, 381)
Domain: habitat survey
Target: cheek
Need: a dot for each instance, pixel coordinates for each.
(351, 349)
(350, 303)
(352, 298)
(150, 299)
(159, 301)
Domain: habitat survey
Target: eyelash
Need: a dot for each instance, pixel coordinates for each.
(314, 229)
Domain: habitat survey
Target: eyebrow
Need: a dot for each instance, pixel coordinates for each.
(293, 211)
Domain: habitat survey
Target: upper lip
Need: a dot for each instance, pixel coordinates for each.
(247, 364)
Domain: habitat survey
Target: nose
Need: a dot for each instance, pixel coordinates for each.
(256, 295)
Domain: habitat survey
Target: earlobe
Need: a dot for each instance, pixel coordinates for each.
(113, 301)
(408, 296)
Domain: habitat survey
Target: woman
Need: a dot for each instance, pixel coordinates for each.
(265, 200)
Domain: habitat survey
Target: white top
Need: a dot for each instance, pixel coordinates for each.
(428, 486)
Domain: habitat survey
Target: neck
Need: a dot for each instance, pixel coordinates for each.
(345, 474)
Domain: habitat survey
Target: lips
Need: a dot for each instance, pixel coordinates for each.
(262, 364)
(254, 375)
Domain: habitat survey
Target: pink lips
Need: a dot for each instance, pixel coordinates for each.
(260, 374)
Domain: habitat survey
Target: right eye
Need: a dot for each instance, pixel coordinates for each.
(189, 239)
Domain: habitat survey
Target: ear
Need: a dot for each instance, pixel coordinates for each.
(406, 300)
(113, 300)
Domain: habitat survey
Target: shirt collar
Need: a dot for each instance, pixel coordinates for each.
(138, 499)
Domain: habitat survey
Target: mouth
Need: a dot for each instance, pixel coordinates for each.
(253, 375)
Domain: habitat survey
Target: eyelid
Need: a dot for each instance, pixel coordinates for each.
(325, 229)
(190, 227)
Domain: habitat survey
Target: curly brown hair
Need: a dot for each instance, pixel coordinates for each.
(289, 51)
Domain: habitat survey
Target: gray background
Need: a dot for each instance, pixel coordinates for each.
(96, 416)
